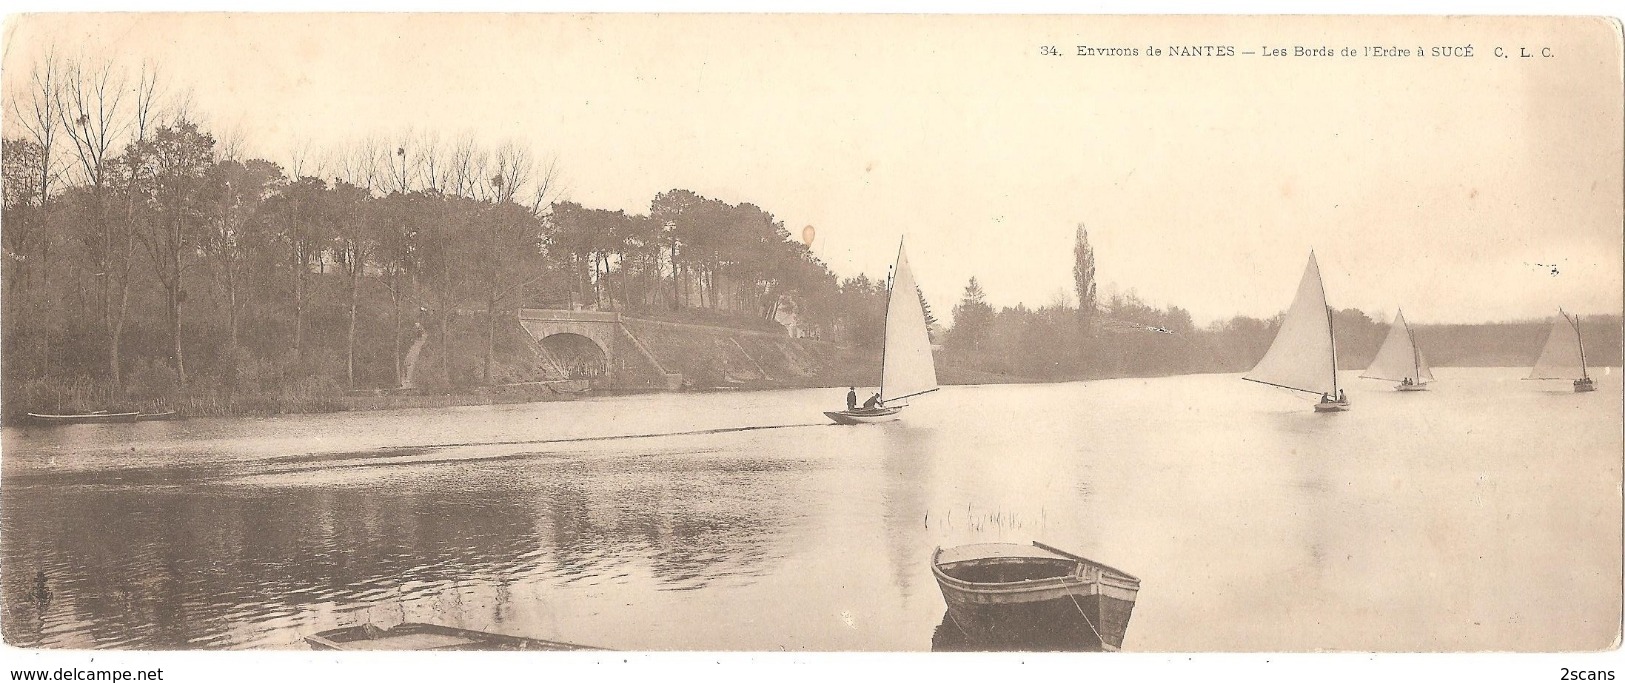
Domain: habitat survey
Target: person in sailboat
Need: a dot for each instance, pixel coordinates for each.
(1325, 397)
(872, 403)
(851, 398)
(1342, 397)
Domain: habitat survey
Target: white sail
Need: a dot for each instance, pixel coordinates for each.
(1302, 355)
(1560, 359)
(906, 369)
(1399, 359)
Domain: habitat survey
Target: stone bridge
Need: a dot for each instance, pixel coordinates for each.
(579, 344)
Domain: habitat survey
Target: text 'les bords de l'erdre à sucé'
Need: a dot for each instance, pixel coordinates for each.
(1318, 51)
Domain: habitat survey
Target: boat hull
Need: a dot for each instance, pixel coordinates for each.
(1583, 385)
(88, 418)
(1061, 625)
(1332, 407)
(412, 636)
(1019, 603)
(858, 417)
(1411, 387)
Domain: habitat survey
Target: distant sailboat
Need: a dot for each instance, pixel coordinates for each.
(1400, 359)
(1303, 356)
(1564, 356)
(906, 368)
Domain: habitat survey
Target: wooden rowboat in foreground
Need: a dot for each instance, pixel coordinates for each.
(417, 636)
(1014, 596)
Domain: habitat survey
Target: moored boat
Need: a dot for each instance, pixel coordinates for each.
(419, 636)
(83, 418)
(1009, 594)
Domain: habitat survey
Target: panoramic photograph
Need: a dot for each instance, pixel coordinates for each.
(811, 333)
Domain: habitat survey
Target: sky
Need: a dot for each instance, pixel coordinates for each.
(1446, 186)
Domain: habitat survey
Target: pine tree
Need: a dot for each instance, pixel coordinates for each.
(930, 320)
(972, 317)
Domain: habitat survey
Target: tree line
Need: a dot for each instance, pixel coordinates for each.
(148, 258)
(1122, 336)
(145, 256)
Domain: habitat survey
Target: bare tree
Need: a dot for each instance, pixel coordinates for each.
(230, 142)
(364, 167)
(36, 114)
(516, 191)
(299, 158)
(146, 92)
(431, 160)
(91, 105)
(466, 171)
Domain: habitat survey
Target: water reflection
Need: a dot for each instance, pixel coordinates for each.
(176, 568)
(1061, 630)
(909, 455)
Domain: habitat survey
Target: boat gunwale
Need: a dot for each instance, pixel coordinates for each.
(876, 416)
(870, 412)
(334, 638)
(1110, 576)
(85, 417)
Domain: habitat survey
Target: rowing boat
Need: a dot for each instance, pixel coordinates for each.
(83, 418)
(1006, 594)
(419, 636)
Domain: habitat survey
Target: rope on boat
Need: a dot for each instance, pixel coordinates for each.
(1088, 621)
(957, 625)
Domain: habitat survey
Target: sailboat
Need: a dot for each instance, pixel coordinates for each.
(1400, 360)
(1303, 356)
(906, 368)
(1564, 356)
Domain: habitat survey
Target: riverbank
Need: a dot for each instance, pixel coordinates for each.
(84, 397)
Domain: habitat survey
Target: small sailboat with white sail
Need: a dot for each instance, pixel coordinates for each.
(1400, 359)
(906, 367)
(1303, 356)
(1564, 355)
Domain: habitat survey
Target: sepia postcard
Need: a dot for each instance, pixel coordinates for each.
(809, 333)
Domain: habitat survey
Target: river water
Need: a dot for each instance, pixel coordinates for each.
(1482, 515)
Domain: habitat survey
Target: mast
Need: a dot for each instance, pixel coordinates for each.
(885, 320)
(1581, 341)
(1416, 354)
(1333, 334)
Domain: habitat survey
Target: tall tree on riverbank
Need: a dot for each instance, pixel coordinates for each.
(236, 234)
(973, 318)
(1083, 274)
(177, 157)
(27, 236)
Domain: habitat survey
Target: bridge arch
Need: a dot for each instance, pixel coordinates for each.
(579, 356)
(578, 344)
